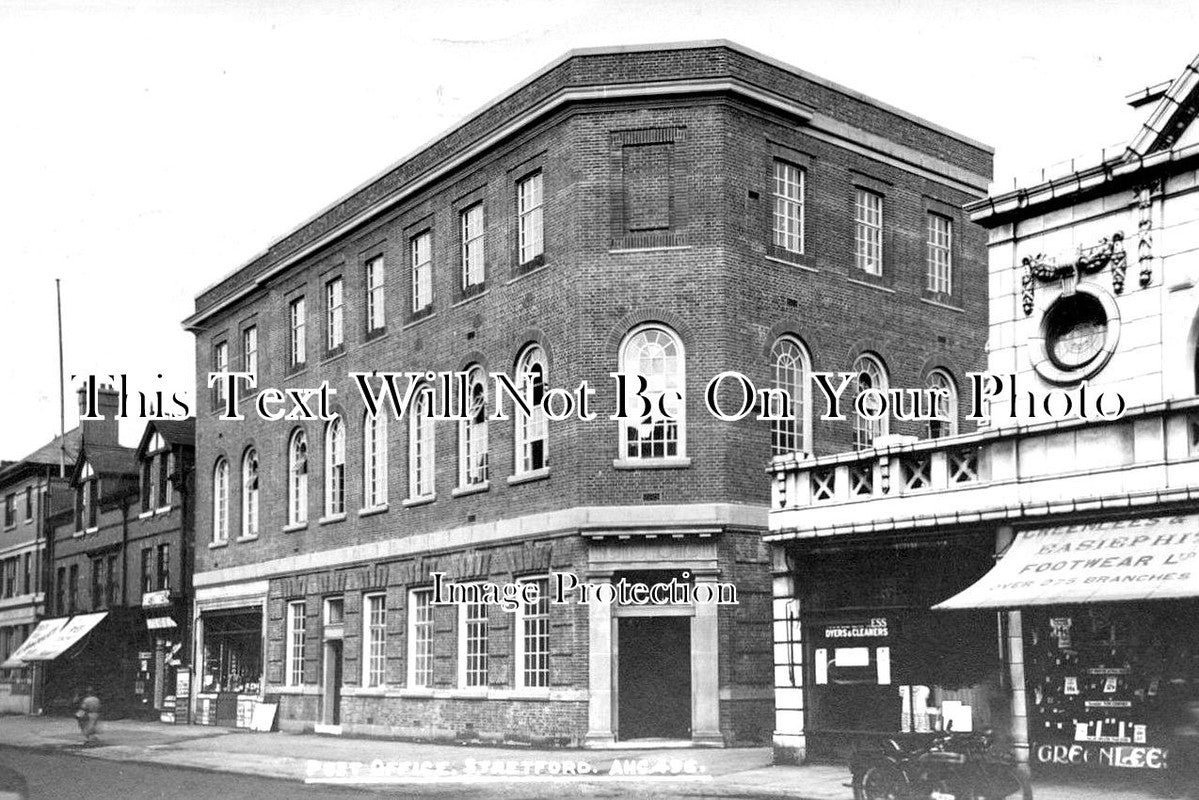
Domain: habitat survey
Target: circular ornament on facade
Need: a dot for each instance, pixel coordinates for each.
(1078, 334)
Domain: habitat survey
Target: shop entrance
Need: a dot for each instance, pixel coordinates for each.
(654, 677)
(331, 711)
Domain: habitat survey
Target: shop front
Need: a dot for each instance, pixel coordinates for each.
(163, 658)
(226, 682)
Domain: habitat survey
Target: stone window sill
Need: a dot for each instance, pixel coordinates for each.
(412, 502)
(474, 488)
(331, 519)
(674, 462)
(372, 511)
(529, 477)
(295, 526)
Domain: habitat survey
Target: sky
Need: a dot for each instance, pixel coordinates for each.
(149, 149)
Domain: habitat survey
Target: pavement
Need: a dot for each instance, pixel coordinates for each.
(692, 772)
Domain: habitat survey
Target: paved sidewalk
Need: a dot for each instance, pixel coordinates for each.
(740, 772)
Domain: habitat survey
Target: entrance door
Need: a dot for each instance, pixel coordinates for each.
(331, 711)
(654, 677)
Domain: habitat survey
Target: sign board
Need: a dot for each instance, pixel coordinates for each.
(183, 683)
(156, 599)
(1153, 558)
(264, 716)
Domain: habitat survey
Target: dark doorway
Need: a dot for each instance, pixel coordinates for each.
(332, 709)
(654, 677)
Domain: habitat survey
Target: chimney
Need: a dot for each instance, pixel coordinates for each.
(107, 403)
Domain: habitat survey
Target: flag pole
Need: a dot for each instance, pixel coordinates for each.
(62, 398)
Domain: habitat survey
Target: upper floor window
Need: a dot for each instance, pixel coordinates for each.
(249, 494)
(147, 570)
(788, 206)
(421, 430)
(655, 354)
(156, 473)
(871, 376)
(945, 406)
(164, 566)
(529, 218)
(334, 314)
(297, 479)
(472, 432)
(297, 339)
(422, 271)
(473, 270)
(940, 254)
(374, 460)
(73, 589)
(220, 363)
(791, 368)
(868, 231)
(86, 499)
(376, 311)
(10, 510)
(99, 595)
(335, 468)
(532, 431)
(249, 351)
(29, 504)
(220, 501)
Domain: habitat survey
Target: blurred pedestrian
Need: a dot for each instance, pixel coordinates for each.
(88, 715)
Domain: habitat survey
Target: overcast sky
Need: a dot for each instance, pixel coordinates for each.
(146, 150)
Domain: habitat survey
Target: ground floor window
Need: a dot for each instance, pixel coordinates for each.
(232, 652)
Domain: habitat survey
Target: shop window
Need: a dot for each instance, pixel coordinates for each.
(232, 652)
(420, 638)
(824, 483)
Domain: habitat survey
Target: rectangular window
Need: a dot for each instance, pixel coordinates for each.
(334, 311)
(147, 570)
(788, 207)
(420, 638)
(647, 190)
(91, 498)
(533, 639)
(147, 484)
(98, 593)
(868, 231)
(114, 582)
(296, 628)
(61, 590)
(249, 351)
(298, 315)
(473, 273)
(164, 566)
(529, 218)
(940, 254)
(422, 271)
(164, 479)
(376, 314)
(10, 510)
(73, 589)
(472, 645)
(29, 504)
(28, 577)
(421, 437)
(220, 363)
(374, 640)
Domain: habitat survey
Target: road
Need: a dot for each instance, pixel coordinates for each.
(52, 775)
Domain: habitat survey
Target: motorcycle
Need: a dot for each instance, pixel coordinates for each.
(949, 766)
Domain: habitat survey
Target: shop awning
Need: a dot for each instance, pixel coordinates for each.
(1154, 558)
(159, 623)
(56, 642)
(44, 630)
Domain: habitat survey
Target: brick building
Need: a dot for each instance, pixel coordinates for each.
(120, 568)
(674, 211)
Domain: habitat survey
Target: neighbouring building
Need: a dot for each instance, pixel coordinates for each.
(673, 211)
(118, 611)
(1038, 575)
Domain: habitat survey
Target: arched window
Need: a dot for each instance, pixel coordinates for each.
(655, 354)
(945, 406)
(421, 429)
(220, 501)
(532, 431)
(472, 431)
(249, 493)
(871, 375)
(374, 460)
(791, 368)
(335, 468)
(297, 479)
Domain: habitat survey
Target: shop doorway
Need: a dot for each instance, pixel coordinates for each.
(331, 711)
(654, 677)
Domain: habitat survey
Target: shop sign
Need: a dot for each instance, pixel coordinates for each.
(156, 599)
(1125, 757)
(875, 628)
(183, 683)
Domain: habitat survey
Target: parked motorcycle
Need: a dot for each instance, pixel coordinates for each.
(949, 766)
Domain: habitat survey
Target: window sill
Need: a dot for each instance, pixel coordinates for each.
(472, 692)
(372, 511)
(412, 502)
(869, 284)
(375, 333)
(216, 545)
(529, 477)
(673, 462)
(789, 263)
(471, 298)
(649, 249)
(249, 537)
(419, 691)
(331, 519)
(417, 317)
(145, 515)
(77, 535)
(939, 304)
(474, 488)
(295, 526)
(163, 510)
(524, 273)
(333, 355)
